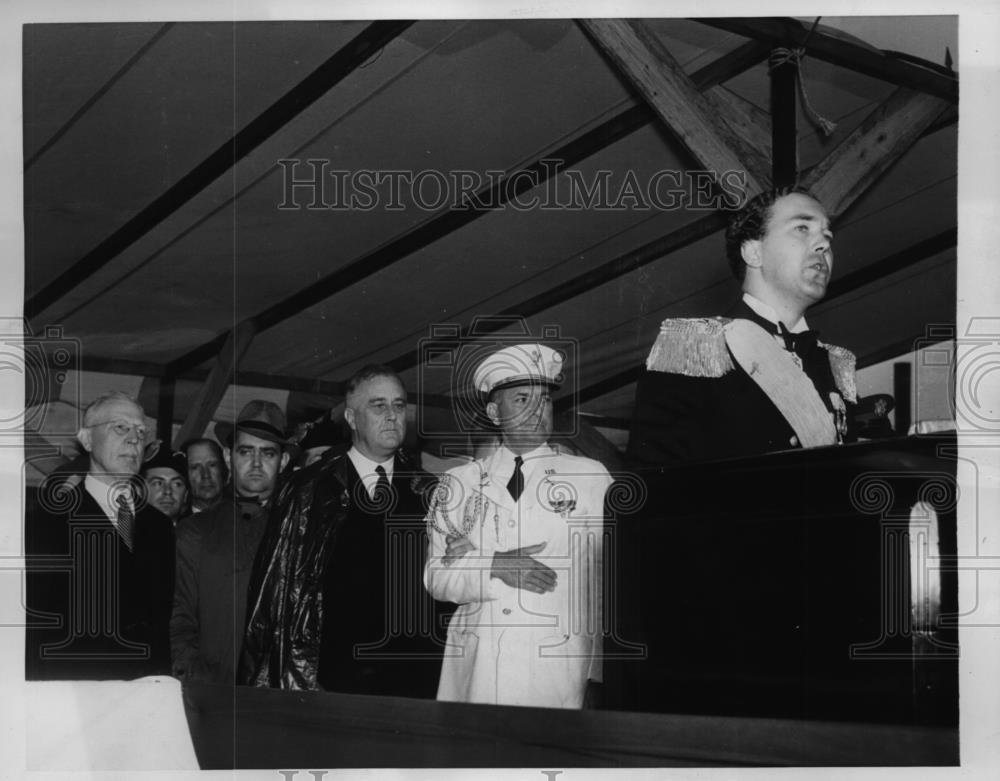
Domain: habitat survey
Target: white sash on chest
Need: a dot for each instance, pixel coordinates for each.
(789, 388)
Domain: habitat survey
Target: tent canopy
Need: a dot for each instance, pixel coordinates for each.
(280, 203)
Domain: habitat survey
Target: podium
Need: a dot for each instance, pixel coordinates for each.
(812, 584)
(792, 609)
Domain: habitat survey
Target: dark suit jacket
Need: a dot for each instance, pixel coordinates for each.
(382, 633)
(683, 418)
(336, 597)
(96, 610)
(215, 554)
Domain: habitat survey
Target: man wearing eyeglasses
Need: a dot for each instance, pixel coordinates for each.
(100, 561)
(216, 549)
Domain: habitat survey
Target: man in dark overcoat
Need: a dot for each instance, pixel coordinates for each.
(336, 596)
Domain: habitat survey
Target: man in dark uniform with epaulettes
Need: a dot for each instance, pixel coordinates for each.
(758, 380)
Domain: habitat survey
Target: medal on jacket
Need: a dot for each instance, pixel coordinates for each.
(839, 415)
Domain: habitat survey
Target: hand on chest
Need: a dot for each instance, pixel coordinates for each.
(545, 511)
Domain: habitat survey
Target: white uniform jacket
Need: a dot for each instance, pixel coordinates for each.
(506, 645)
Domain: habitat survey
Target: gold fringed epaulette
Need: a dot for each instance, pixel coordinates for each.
(692, 346)
(842, 363)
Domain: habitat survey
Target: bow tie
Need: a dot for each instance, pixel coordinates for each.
(801, 343)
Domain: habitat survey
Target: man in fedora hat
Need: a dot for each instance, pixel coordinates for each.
(216, 549)
(516, 540)
(336, 600)
(166, 482)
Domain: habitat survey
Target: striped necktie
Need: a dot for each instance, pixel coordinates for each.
(126, 520)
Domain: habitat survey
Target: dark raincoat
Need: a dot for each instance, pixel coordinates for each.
(315, 511)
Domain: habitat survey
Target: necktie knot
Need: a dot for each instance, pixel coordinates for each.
(382, 492)
(801, 343)
(515, 485)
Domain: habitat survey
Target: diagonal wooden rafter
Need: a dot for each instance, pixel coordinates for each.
(838, 180)
(589, 280)
(214, 388)
(88, 104)
(878, 142)
(617, 127)
(843, 52)
(351, 56)
(690, 115)
(861, 158)
(749, 122)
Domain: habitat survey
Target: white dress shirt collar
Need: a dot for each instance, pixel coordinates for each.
(767, 312)
(106, 495)
(366, 468)
(504, 458)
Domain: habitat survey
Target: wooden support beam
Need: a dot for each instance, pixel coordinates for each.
(843, 52)
(784, 137)
(898, 261)
(483, 202)
(165, 408)
(219, 379)
(552, 162)
(254, 379)
(828, 184)
(902, 384)
(606, 421)
(748, 122)
(351, 56)
(97, 94)
(659, 78)
(731, 64)
(570, 288)
(861, 158)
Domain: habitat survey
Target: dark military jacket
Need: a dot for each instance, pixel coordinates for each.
(694, 401)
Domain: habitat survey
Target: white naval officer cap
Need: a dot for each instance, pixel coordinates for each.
(519, 364)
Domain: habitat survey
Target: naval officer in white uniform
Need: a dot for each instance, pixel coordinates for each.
(515, 541)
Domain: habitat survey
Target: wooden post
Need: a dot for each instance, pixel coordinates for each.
(901, 389)
(165, 409)
(784, 141)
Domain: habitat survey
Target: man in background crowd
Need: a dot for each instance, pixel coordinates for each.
(166, 483)
(216, 549)
(100, 560)
(207, 473)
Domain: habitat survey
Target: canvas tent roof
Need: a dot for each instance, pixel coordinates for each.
(168, 232)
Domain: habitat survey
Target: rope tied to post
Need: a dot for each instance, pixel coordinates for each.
(782, 55)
